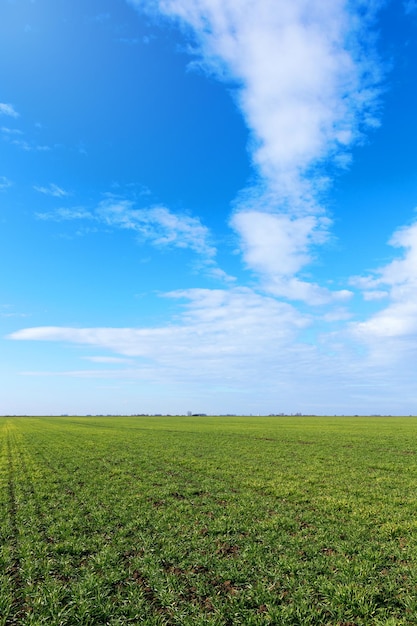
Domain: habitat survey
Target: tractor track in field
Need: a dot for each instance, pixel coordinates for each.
(33, 494)
(18, 608)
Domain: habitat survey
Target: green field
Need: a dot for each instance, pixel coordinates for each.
(208, 520)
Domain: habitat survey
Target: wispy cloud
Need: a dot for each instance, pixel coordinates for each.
(63, 214)
(8, 109)
(107, 360)
(130, 41)
(305, 79)
(30, 147)
(220, 342)
(218, 333)
(15, 136)
(52, 190)
(5, 183)
(10, 131)
(6, 310)
(227, 315)
(156, 225)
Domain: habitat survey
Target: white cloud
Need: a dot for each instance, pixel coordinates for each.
(400, 273)
(278, 243)
(392, 330)
(277, 247)
(228, 348)
(52, 190)
(375, 294)
(8, 109)
(237, 350)
(337, 315)
(224, 329)
(305, 77)
(305, 84)
(219, 274)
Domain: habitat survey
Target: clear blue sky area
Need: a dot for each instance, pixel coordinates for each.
(208, 206)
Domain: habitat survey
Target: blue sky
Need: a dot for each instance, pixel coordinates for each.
(208, 206)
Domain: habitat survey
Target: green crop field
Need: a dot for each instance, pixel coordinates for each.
(208, 520)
